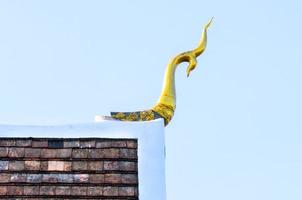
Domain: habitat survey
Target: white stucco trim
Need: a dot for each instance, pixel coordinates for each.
(151, 146)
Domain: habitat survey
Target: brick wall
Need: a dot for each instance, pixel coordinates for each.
(86, 168)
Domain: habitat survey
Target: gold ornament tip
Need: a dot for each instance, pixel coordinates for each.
(207, 25)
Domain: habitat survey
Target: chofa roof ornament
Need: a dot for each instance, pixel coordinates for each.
(166, 104)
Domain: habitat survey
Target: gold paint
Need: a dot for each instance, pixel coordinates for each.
(147, 115)
(166, 104)
(165, 111)
(167, 100)
(132, 117)
(120, 116)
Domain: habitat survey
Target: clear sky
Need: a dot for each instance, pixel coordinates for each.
(237, 130)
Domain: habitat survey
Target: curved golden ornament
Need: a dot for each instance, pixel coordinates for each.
(166, 104)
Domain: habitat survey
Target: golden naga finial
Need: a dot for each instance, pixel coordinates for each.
(166, 104)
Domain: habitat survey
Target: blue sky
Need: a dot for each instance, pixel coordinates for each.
(237, 129)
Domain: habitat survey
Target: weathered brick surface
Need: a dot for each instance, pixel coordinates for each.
(62, 190)
(32, 165)
(8, 143)
(78, 191)
(112, 178)
(63, 153)
(47, 190)
(16, 152)
(31, 190)
(87, 144)
(94, 191)
(3, 151)
(16, 165)
(4, 165)
(95, 165)
(15, 190)
(4, 178)
(42, 143)
(32, 153)
(3, 190)
(110, 191)
(80, 153)
(127, 191)
(34, 178)
(55, 165)
(16, 178)
(23, 143)
(80, 178)
(71, 143)
(96, 178)
(68, 169)
(48, 153)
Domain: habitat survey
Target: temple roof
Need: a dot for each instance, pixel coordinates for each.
(107, 160)
(68, 168)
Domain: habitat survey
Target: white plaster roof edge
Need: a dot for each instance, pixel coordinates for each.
(151, 146)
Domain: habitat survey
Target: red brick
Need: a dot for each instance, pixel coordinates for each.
(55, 165)
(23, 143)
(71, 144)
(15, 190)
(32, 153)
(62, 190)
(95, 153)
(42, 143)
(65, 178)
(95, 165)
(67, 166)
(34, 178)
(126, 191)
(112, 178)
(50, 178)
(79, 165)
(118, 144)
(110, 191)
(79, 153)
(18, 178)
(132, 144)
(48, 153)
(16, 152)
(4, 178)
(16, 165)
(111, 165)
(63, 153)
(96, 178)
(110, 153)
(3, 165)
(103, 144)
(128, 153)
(31, 190)
(77, 190)
(127, 166)
(129, 178)
(76, 170)
(44, 165)
(7, 143)
(87, 143)
(81, 178)
(32, 165)
(94, 191)
(47, 190)
(3, 190)
(3, 152)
